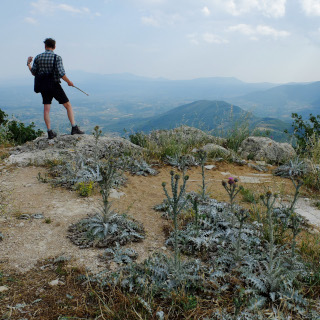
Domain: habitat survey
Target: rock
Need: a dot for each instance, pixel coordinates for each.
(24, 216)
(55, 283)
(265, 149)
(187, 133)
(164, 248)
(3, 288)
(215, 150)
(261, 163)
(116, 194)
(40, 150)
(37, 216)
(210, 167)
(258, 168)
(245, 179)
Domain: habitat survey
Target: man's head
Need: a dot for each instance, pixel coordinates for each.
(49, 43)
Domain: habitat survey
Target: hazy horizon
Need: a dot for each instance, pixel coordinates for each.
(274, 41)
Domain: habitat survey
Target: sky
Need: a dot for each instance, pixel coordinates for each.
(253, 40)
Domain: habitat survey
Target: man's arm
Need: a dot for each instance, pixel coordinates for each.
(66, 79)
(29, 64)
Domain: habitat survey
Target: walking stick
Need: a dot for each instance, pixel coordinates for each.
(80, 90)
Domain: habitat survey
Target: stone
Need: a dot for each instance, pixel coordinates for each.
(55, 283)
(215, 150)
(24, 216)
(210, 167)
(245, 179)
(258, 168)
(116, 194)
(3, 288)
(266, 149)
(40, 150)
(37, 216)
(261, 163)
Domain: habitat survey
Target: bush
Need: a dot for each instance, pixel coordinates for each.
(305, 130)
(15, 131)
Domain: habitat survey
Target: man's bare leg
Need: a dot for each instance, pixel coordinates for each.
(46, 115)
(68, 106)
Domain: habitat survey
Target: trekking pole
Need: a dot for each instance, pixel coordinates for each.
(80, 90)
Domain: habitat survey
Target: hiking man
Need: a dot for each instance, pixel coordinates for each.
(46, 63)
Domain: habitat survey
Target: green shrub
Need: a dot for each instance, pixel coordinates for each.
(304, 130)
(16, 131)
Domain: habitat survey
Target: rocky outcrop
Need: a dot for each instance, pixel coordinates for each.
(216, 150)
(186, 133)
(262, 148)
(66, 147)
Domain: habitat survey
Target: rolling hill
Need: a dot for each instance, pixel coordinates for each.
(282, 101)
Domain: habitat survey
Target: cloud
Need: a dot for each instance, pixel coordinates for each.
(206, 11)
(206, 37)
(30, 20)
(47, 6)
(270, 8)
(260, 30)
(213, 38)
(159, 19)
(150, 21)
(311, 7)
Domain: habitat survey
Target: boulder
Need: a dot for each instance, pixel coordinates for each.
(186, 133)
(266, 149)
(215, 150)
(67, 147)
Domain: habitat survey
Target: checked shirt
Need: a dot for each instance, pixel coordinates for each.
(43, 63)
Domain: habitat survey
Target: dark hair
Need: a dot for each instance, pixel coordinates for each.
(50, 43)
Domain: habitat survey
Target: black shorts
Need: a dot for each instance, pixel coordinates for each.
(57, 93)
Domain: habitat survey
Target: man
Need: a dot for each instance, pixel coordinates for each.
(43, 64)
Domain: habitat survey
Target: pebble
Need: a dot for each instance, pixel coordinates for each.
(24, 216)
(56, 282)
(38, 216)
(3, 289)
(210, 167)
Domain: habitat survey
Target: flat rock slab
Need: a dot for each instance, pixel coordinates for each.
(305, 209)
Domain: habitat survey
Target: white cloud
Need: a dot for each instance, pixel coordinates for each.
(30, 20)
(206, 11)
(260, 30)
(150, 21)
(207, 37)
(47, 6)
(270, 8)
(193, 37)
(213, 38)
(311, 7)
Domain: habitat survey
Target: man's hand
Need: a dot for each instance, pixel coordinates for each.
(70, 84)
(29, 60)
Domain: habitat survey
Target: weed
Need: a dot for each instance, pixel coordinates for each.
(47, 220)
(248, 195)
(85, 189)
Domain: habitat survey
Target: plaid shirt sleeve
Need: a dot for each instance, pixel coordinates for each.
(34, 68)
(60, 67)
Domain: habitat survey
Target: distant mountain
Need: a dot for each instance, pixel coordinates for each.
(282, 101)
(122, 88)
(215, 116)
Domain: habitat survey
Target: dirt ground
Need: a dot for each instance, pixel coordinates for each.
(26, 242)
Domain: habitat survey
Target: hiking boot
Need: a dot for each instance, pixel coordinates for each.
(51, 134)
(76, 130)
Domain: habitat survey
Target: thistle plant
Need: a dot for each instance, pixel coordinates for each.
(241, 215)
(232, 189)
(176, 205)
(97, 133)
(195, 202)
(202, 156)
